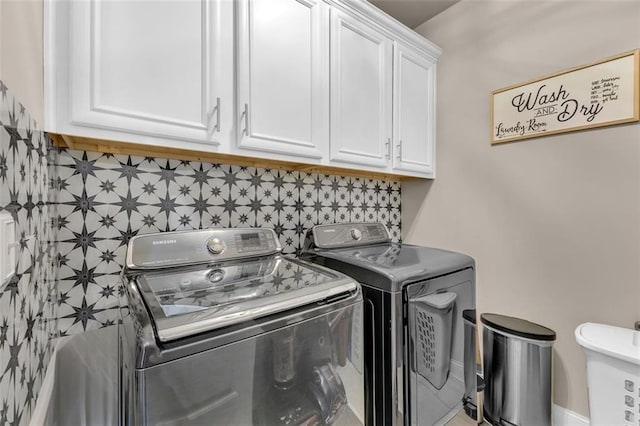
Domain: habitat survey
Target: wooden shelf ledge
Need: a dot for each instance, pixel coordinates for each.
(143, 150)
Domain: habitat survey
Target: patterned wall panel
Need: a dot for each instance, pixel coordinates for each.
(27, 300)
(107, 199)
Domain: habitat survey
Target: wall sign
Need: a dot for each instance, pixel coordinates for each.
(600, 94)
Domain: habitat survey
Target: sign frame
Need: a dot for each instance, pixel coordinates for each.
(521, 132)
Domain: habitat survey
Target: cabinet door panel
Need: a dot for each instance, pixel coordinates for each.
(132, 72)
(146, 67)
(280, 88)
(414, 114)
(360, 92)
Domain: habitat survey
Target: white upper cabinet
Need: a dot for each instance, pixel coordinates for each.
(139, 69)
(282, 98)
(414, 112)
(360, 87)
(324, 82)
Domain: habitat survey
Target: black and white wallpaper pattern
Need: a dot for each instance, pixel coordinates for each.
(105, 199)
(28, 306)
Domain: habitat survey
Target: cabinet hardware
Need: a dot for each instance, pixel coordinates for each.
(217, 128)
(388, 149)
(399, 149)
(245, 113)
(216, 111)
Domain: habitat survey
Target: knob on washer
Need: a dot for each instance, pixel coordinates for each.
(215, 245)
(356, 234)
(216, 275)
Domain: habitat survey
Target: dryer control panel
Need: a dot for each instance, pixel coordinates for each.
(169, 249)
(349, 234)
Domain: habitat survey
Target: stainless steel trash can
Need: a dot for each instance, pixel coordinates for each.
(517, 371)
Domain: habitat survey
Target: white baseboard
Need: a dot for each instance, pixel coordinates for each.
(564, 417)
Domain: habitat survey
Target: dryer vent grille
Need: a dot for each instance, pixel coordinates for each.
(426, 340)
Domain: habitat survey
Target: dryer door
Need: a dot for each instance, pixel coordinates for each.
(435, 332)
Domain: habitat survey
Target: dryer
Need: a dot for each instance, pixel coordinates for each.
(414, 298)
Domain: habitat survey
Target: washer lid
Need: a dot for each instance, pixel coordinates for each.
(518, 327)
(390, 266)
(183, 302)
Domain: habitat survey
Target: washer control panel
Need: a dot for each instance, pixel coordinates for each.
(199, 246)
(349, 234)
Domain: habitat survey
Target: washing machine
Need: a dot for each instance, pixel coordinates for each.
(414, 340)
(219, 328)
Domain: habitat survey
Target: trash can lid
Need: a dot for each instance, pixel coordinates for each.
(469, 315)
(618, 342)
(518, 327)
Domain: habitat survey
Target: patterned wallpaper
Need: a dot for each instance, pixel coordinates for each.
(28, 300)
(104, 200)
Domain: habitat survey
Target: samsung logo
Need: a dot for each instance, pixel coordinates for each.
(163, 242)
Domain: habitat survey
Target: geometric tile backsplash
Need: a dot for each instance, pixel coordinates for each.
(106, 199)
(28, 306)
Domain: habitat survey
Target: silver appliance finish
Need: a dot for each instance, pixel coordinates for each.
(518, 376)
(436, 397)
(171, 249)
(384, 265)
(432, 336)
(195, 300)
(222, 329)
(392, 275)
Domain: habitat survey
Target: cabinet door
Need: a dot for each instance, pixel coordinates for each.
(414, 112)
(360, 87)
(151, 68)
(281, 94)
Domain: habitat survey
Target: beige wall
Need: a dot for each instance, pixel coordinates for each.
(21, 66)
(554, 222)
